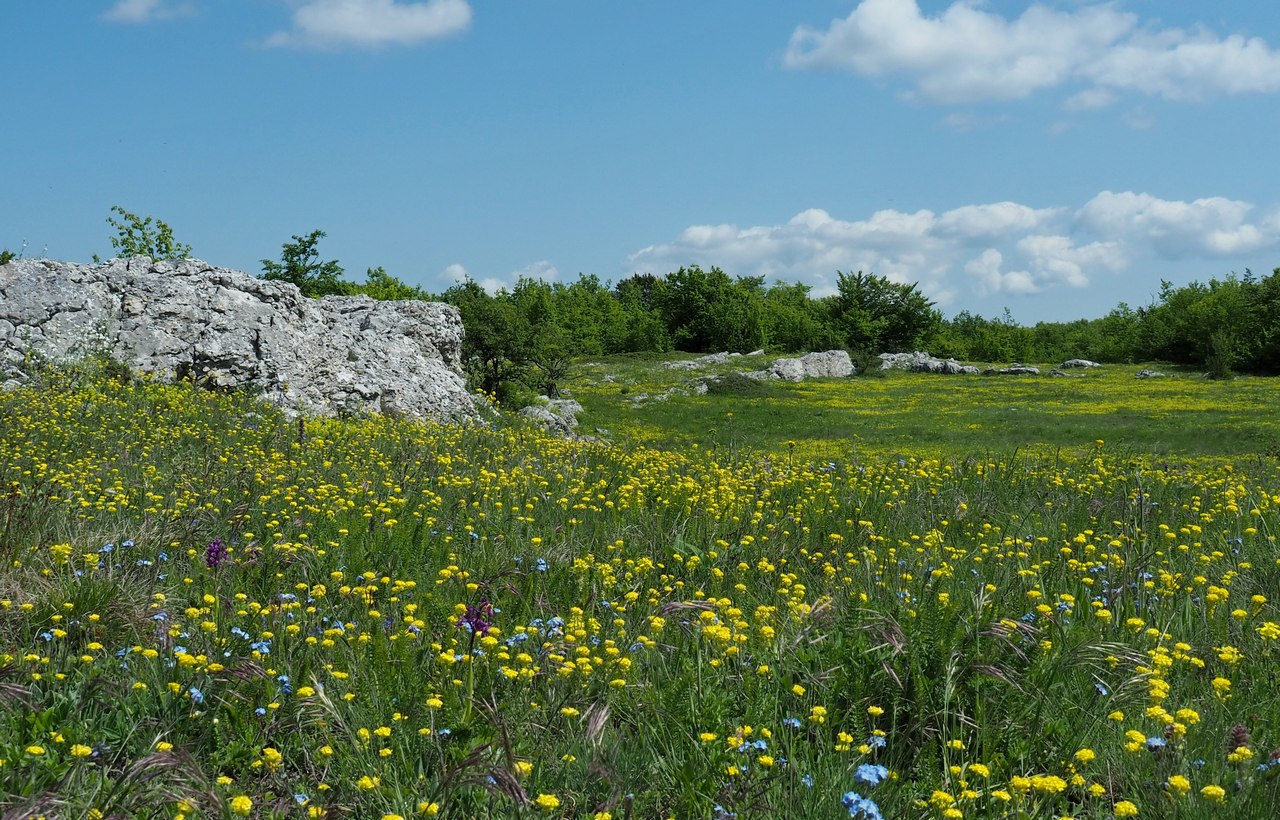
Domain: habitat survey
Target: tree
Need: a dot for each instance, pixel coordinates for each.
(300, 265)
(874, 314)
(706, 310)
(795, 322)
(646, 330)
(136, 237)
(383, 286)
(495, 347)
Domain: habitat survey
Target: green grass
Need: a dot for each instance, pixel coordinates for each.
(1181, 416)
(726, 624)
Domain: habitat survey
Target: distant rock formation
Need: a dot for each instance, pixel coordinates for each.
(558, 416)
(828, 364)
(1013, 370)
(921, 362)
(225, 329)
(707, 360)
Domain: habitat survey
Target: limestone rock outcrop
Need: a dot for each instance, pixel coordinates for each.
(921, 362)
(225, 329)
(826, 364)
(1012, 370)
(558, 416)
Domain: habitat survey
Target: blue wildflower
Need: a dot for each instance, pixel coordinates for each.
(860, 806)
(870, 774)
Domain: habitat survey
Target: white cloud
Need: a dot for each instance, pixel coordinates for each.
(542, 269)
(999, 247)
(1138, 119)
(966, 121)
(1208, 227)
(372, 23)
(966, 54)
(1090, 99)
(146, 11)
(986, 223)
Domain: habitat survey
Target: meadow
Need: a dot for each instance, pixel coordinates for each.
(913, 596)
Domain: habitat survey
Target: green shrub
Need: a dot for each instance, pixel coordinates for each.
(736, 384)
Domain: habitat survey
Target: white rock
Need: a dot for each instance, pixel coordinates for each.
(830, 364)
(224, 328)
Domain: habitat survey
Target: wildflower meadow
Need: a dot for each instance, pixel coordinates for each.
(208, 609)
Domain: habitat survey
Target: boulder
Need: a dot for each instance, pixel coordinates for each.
(830, 364)
(1013, 370)
(1071, 363)
(1148, 374)
(701, 361)
(791, 370)
(921, 362)
(226, 329)
(556, 415)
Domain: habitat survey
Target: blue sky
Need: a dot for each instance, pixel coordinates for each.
(1054, 158)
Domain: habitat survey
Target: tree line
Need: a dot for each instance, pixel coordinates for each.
(524, 337)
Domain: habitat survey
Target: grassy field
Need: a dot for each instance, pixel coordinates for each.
(1179, 416)
(915, 596)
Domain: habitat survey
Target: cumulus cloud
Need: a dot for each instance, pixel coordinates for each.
(1208, 227)
(542, 269)
(966, 54)
(372, 23)
(998, 247)
(146, 11)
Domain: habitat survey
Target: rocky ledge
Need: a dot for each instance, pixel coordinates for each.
(226, 329)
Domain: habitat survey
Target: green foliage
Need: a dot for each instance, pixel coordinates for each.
(1220, 326)
(872, 313)
(495, 347)
(300, 265)
(736, 384)
(136, 236)
(797, 323)
(7, 256)
(383, 286)
(706, 310)
(531, 332)
(866, 363)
